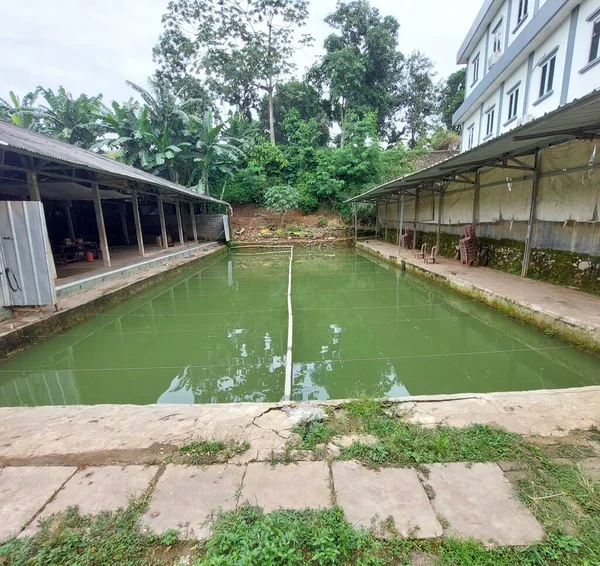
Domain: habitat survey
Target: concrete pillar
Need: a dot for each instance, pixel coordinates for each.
(376, 218)
(194, 227)
(138, 223)
(163, 224)
(179, 223)
(532, 207)
(123, 215)
(355, 222)
(101, 226)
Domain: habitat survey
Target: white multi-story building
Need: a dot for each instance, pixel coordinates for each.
(526, 58)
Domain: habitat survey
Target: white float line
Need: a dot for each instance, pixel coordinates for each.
(287, 386)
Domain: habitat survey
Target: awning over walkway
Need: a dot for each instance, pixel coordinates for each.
(579, 119)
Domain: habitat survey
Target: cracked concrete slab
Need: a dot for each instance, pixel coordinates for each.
(185, 498)
(96, 489)
(296, 486)
(369, 498)
(477, 501)
(23, 493)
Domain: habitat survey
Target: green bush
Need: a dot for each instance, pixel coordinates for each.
(246, 186)
(322, 221)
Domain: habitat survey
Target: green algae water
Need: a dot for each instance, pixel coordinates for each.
(219, 334)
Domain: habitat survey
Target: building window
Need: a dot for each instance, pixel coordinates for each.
(470, 136)
(547, 79)
(489, 122)
(497, 38)
(594, 52)
(522, 13)
(475, 69)
(513, 103)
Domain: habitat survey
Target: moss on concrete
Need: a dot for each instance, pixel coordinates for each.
(25, 337)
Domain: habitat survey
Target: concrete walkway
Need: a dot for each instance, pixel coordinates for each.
(573, 309)
(459, 500)
(131, 434)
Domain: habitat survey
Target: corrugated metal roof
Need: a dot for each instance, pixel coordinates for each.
(578, 119)
(22, 140)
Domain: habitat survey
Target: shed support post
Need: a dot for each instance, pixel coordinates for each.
(34, 195)
(355, 222)
(439, 222)
(385, 234)
(476, 200)
(194, 227)
(123, 215)
(101, 226)
(138, 223)
(179, 223)
(416, 219)
(69, 217)
(376, 218)
(532, 208)
(163, 225)
(34, 189)
(400, 223)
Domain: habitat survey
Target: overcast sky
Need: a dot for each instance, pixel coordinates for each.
(94, 47)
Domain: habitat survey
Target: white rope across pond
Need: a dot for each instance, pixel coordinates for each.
(287, 389)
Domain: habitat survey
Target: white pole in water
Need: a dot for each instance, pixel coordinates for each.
(287, 389)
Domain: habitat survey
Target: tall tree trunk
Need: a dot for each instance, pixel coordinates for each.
(343, 123)
(271, 113)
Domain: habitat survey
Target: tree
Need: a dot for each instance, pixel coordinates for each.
(451, 96)
(21, 113)
(77, 121)
(417, 96)
(242, 50)
(294, 96)
(281, 199)
(360, 65)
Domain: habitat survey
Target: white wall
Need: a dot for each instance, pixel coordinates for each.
(583, 83)
(480, 48)
(519, 75)
(473, 118)
(558, 38)
(514, 19)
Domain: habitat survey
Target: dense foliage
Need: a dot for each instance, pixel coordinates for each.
(354, 120)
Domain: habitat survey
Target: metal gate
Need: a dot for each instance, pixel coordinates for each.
(26, 264)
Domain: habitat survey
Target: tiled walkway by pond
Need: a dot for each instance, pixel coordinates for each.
(459, 500)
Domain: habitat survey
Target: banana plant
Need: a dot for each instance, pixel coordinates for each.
(21, 113)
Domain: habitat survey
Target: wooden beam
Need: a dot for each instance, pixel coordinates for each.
(355, 222)
(179, 223)
(387, 202)
(138, 223)
(34, 188)
(70, 221)
(417, 194)
(123, 215)
(163, 224)
(439, 222)
(532, 208)
(194, 227)
(376, 218)
(101, 226)
(476, 200)
(400, 223)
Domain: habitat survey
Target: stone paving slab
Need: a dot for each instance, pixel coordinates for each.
(95, 489)
(370, 497)
(477, 502)
(24, 491)
(296, 486)
(185, 498)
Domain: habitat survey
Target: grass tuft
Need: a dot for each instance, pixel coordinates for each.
(206, 452)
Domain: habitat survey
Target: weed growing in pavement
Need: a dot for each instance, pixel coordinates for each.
(206, 452)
